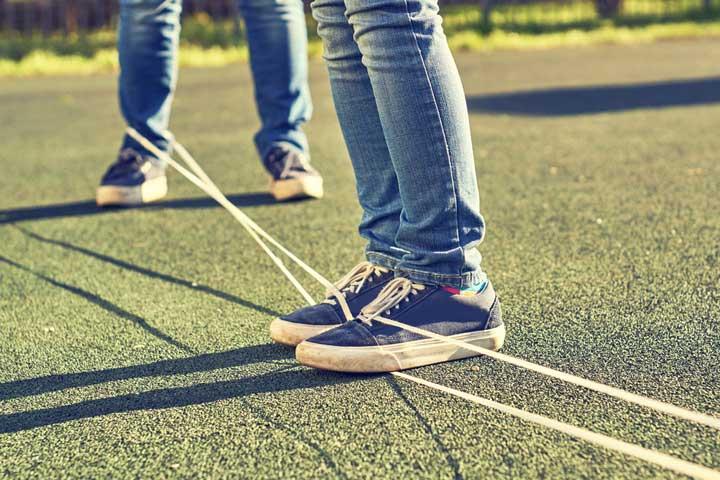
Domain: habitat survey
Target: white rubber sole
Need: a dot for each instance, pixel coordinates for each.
(149, 191)
(308, 186)
(291, 334)
(391, 358)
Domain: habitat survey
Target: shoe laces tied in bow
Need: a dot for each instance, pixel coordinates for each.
(353, 282)
(391, 297)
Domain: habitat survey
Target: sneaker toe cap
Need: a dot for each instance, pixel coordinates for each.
(320, 314)
(350, 334)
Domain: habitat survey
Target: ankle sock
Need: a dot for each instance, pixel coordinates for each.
(469, 290)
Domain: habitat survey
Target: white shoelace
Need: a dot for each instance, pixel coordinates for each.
(397, 291)
(354, 281)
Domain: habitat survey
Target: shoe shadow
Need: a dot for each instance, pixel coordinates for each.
(175, 397)
(104, 304)
(149, 273)
(88, 207)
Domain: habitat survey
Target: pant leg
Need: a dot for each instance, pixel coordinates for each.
(423, 112)
(277, 37)
(377, 185)
(148, 38)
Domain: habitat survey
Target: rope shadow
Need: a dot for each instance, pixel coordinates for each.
(89, 207)
(451, 461)
(297, 433)
(104, 304)
(172, 398)
(181, 366)
(150, 273)
(559, 102)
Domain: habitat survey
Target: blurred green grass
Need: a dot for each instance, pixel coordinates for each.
(533, 26)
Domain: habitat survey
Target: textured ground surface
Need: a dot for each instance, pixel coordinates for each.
(134, 343)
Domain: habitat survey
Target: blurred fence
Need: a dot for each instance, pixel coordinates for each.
(79, 16)
(71, 16)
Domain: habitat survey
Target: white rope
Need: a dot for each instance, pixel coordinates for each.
(222, 200)
(195, 166)
(209, 187)
(651, 456)
(666, 461)
(619, 393)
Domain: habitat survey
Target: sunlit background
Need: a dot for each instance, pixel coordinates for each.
(77, 36)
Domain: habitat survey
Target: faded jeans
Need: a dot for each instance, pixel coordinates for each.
(148, 39)
(403, 114)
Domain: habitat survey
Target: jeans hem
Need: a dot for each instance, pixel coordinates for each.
(382, 260)
(421, 276)
(448, 280)
(265, 148)
(131, 143)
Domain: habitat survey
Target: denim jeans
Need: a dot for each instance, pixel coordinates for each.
(148, 40)
(403, 114)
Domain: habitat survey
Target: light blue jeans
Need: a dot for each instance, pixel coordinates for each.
(148, 40)
(403, 113)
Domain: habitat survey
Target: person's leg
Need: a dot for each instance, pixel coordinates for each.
(277, 38)
(354, 99)
(423, 112)
(376, 183)
(148, 38)
(439, 286)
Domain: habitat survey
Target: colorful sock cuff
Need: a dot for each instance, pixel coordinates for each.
(468, 291)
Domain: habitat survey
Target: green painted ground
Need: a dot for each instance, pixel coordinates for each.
(134, 343)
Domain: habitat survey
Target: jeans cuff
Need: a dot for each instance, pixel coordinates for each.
(462, 280)
(264, 148)
(382, 260)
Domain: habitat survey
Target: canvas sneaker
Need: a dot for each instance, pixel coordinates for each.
(359, 287)
(291, 175)
(367, 345)
(132, 180)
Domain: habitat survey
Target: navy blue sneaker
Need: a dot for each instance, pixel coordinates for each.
(132, 180)
(292, 176)
(359, 287)
(367, 345)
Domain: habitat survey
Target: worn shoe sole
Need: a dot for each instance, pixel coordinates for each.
(291, 333)
(307, 186)
(401, 356)
(149, 191)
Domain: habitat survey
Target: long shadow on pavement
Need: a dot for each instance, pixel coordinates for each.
(180, 366)
(173, 397)
(600, 99)
(150, 273)
(104, 304)
(88, 207)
